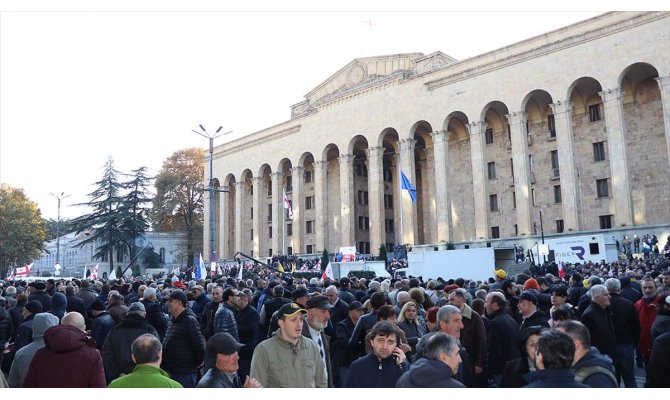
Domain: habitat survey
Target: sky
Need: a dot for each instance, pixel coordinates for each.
(79, 85)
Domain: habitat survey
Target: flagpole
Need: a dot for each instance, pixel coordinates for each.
(283, 225)
(400, 201)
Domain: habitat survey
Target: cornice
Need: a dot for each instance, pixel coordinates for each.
(250, 142)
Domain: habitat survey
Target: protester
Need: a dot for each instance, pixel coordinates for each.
(24, 356)
(223, 349)
(555, 352)
(146, 353)
(438, 367)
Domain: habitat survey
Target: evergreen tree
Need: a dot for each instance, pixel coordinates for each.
(104, 221)
(383, 256)
(133, 211)
(325, 259)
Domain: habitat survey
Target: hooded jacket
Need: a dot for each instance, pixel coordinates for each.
(68, 360)
(58, 305)
(24, 356)
(116, 354)
(594, 378)
(427, 373)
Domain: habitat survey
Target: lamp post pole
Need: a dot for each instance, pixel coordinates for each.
(544, 258)
(211, 189)
(59, 197)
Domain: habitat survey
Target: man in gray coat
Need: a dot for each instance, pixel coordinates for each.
(24, 356)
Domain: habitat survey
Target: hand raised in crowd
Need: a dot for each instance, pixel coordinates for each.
(252, 383)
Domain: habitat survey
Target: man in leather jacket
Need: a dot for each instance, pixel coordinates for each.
(222, 350)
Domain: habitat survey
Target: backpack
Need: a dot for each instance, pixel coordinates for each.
(585, 372)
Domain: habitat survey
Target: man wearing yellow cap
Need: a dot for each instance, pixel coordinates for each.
(500, 275)
(288, 359)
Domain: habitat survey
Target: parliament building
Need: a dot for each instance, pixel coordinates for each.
(572, 125)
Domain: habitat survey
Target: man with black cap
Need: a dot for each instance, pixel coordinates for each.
(530, 315)
(222, 350)
(300, 296)
(116, 351)
(103, 323)
(184, 345)
(24, 335)
(318, 314)
(345, 290)
(343, 331)
(288, 359)
(41, 295)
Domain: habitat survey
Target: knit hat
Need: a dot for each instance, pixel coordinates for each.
(501, 273)
(34, 306)
(98, 305)
(531, 284)
(528, 296)
(42, 322)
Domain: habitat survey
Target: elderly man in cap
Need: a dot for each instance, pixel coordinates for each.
(288, 359)
(530, 315)
(318, 314)
(184, 345)
(116, 351)
(222, 350)
(300, 296)
(146, 352)
(200, 301)
(23, 357)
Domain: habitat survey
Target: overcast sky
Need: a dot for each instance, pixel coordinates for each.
(79, 87)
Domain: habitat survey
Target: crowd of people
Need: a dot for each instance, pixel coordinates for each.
(586, 325)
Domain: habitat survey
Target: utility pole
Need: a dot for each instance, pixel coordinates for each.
(59, 197)
(544, 258)
(211, 189)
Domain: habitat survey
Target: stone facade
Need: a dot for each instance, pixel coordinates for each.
(574, 124)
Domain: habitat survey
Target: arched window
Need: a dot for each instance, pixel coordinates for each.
(161, 252)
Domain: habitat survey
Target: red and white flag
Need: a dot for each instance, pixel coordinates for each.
(94, 273)
(287, 205)
(561, 270)
(23, 271)
(328, 273)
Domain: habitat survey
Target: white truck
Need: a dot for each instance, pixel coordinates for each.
(578, 249)
(477, 264)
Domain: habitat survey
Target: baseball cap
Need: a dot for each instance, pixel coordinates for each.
(528, 296)
(223, 343)
(290, 309)
(320, 302)
(501, 273)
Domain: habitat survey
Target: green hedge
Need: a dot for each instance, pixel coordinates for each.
(306, 274)
(362, 274)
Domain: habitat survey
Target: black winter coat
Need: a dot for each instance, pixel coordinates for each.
(6, 327)
(595, 379)
(553, 378)
(184, 345)
(515, 373)
(601, 329)
(116, 349)
(155, 317)
(248, 323)
(659, 363)
(625, 320)
(207, 320)
(536, 319)
(346, 354)
(43, 298)
(102, 325)
(427, 373)
(502, 342)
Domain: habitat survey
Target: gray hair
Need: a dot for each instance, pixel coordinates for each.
(597, 290)
(331, 289)
(10, 291)
(481, 294)
(313, 281)
(439, 342)
(374, 285)
(613, 285)
(149, 293)
(445, 312)
(462, 293)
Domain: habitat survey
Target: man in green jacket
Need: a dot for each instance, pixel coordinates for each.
(147, 353)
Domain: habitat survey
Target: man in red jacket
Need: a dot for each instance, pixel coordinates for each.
(70, 358)
(646, 309)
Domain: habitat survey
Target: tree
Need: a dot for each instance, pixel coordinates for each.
(22, 229)
(383, 256)
(178, 205)
(325, 259)
(133, 211)
(104, 221)
(52, 227)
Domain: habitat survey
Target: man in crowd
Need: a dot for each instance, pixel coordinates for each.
(438, 368)
(24, 335)
(366, 322)
(646, 309)
(102, 323)
(288, 359)
(224, 319)
(69, 359)
(270, 306)
(115, 307)
(383, 367)
(184, 345)
(146, 352)
(345, 290)
(591, 368)
(41, 295)
(626, 331)
(530, 315)
(222, 349)
(74, 303)
(598, 320)
(316, 320)
(208, 313)
(116, 351)
(200, 301)
(154, 314)
(555, 352)
(343, 331)
(41, 323)
(6, 326)
(502, 337)
(248, 323)
(473, 335)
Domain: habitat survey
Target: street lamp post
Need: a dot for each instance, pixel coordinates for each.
(59, 197)
(211, 189)
(544, 258)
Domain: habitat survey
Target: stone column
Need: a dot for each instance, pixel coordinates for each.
(258, 222)
(476, 130)
(664, 86)
(240, 188)
(277, 213)
(296, 238)
(347, 201)
(376, 197)
(616, 143)
(224, 224)
(320, 198)
(409, 212)
(570, 193)
(443, 206)
(517, 122)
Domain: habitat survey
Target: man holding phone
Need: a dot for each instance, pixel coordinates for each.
(386, 363)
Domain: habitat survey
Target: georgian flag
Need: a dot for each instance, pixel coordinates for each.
(94, 273)
(561, 270)
(23, 271)
(287, 205)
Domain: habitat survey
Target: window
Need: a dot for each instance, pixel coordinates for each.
(289, 184)
(599, 151)
(269, 252)
(364, 247)
(514, 200)
(119, 254)
(493, 202)
(606, 221)
(363, 223)
(251, 212)
(251, 236)
(532, 197)
(161, 253)
(388, 176)
(559, 225)
(388, 225)
(530, 162)
(554, 159)
(511, 168)
(310, 249)
(602, 188)
(269, 212)
(309, 226)
(509, 132)
(489, 136)
(516, 230)
(361, 170)
(388, 201)
(309, 176)
(269, 186)
(551, 125)
(289, 229)
(309, 202)
(495, 232)
(594, 112)
(492, 170)
(270, 232)
(289, 250)
(363, 197)
(557, 194)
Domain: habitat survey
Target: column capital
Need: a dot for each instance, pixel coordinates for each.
(346, 158)
(375, 151)
(258, 178)
(407, 144)
(560, 107)
(320, 164)
(276, 174)
(611, 94)
(297, 170)
(442, 135)
(476, 127)
(517, 117)
(240, 184)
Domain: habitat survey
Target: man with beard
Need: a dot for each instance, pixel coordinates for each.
(316, 320)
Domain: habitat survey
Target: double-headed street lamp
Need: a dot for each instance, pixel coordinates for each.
(59, 197)
(211, 189)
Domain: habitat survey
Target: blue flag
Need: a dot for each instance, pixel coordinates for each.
(407, 185)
